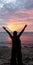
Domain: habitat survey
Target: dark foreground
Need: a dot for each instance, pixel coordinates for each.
(5, 55)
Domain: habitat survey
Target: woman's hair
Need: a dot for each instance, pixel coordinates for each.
(15, 33)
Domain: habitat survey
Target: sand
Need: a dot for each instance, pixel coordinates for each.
(5, 55)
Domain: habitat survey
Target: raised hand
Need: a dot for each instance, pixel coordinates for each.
(4, 28)
(25, 26)
(22, 31)
(7, 31)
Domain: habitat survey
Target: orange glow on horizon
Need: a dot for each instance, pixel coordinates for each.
(18, 26)
(15, 26)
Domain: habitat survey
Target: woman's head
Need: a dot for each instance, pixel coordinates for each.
(15, 33)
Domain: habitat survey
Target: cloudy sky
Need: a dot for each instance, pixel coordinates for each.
(14, 14)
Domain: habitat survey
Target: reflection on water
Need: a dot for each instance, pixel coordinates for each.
(26, 38)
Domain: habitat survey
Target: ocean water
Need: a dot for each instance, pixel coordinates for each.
(26, 39)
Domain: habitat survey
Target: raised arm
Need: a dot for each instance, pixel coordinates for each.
(7, 31)
(22, 31)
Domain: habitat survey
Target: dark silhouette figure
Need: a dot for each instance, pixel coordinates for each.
(16, 47)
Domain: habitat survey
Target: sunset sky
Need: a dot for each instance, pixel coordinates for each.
(14, 14)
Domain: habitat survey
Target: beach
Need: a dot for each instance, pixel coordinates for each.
(5, 55)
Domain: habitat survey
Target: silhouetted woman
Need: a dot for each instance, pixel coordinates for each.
(16, 47)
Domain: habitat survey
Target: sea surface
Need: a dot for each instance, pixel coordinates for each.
(26, 39)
